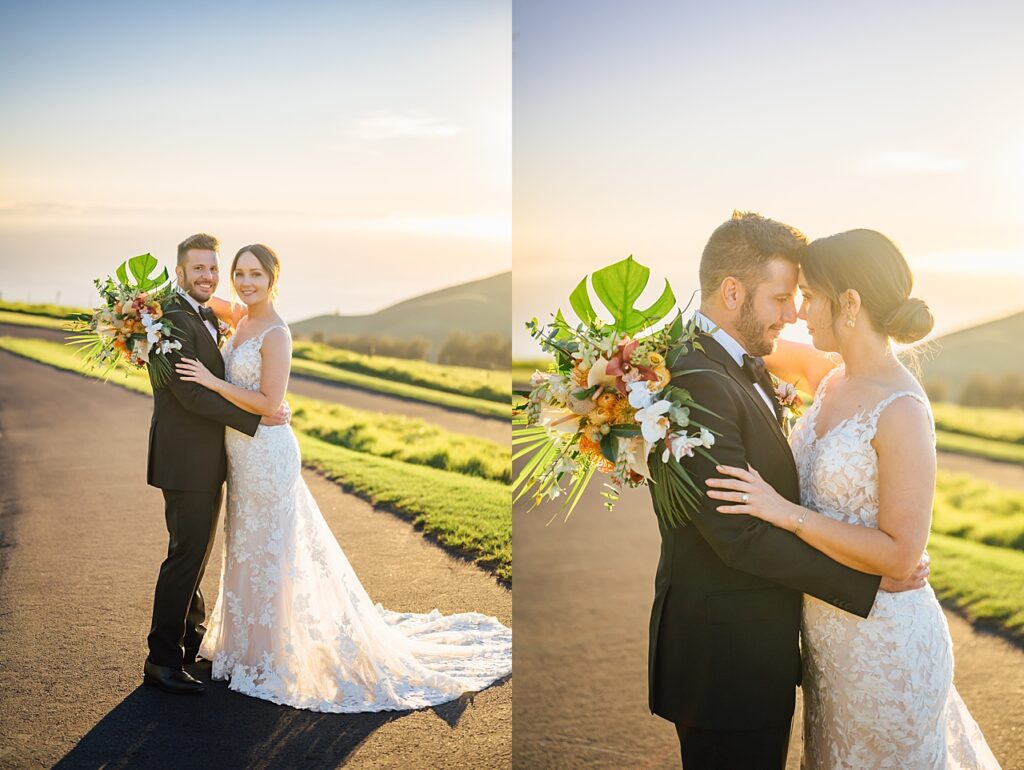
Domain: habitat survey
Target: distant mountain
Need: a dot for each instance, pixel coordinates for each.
(476, 307)
(996, 347)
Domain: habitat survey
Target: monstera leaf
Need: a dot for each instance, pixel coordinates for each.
(140, 267)
(619, 286)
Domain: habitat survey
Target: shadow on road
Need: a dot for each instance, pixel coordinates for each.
(222, 729)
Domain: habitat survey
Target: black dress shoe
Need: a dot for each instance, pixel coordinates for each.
(173, 680)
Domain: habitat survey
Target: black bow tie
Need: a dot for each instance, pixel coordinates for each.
(754, 368)
(207, 314)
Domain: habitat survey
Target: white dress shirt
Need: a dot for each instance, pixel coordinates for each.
(732, 347)
(192, 301)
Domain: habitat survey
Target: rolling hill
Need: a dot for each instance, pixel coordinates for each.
(996, 347)
(476, 307)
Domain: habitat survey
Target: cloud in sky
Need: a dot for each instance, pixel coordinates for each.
(404, 126)
(902, 162)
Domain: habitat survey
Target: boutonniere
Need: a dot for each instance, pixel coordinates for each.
(225, 330)
(788, 398)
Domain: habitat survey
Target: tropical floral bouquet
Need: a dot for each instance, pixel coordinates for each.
(130, 326)
(607, 403)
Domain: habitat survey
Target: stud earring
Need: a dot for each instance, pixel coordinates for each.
(851, 321)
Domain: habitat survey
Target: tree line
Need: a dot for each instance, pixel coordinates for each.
(982, 389)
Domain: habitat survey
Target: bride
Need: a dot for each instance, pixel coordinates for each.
(292, 623)
(878, 692)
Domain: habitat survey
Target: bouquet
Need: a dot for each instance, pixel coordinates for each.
(607, 403)
(130, 326)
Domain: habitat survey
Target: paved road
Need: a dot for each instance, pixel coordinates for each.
(499, 430)
(582, 603)
(82, 538)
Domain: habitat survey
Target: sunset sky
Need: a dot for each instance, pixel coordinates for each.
(639, 128)
(368, 143)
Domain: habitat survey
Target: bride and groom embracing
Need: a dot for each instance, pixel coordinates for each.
(292, 623)
(815, 543)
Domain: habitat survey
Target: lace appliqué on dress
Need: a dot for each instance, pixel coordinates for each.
(293, 624)
(878, 692)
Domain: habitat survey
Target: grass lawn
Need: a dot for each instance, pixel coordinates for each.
(972, 509)
(27, 319)
(402, 438)
(471, 515)
(983, 581)
(42, 309)
(401, 389)
(463, 380)
(464, 512)
(994, 424)
(1000, 451)
(976, 548)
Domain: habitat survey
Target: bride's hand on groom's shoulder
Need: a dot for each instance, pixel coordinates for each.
(748, 493)
(193, 370)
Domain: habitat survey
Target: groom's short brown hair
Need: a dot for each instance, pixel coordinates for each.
(203, 241)
(743, 246)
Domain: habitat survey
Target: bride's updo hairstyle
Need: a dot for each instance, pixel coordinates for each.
(869, 263)
(267, 257)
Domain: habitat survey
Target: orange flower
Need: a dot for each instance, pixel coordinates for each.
(592, 448)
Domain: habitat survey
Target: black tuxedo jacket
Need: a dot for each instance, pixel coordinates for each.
(186, 437)
(724, 637)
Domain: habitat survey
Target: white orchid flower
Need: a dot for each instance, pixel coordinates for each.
(679, 445)
(640, 396)
(653, 422)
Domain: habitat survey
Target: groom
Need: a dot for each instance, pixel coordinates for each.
(188, 462)
(724, 646)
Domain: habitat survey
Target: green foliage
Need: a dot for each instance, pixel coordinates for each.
(401, 438)
(140, 268)
(994, 424)
(619, 286)
(465, 381)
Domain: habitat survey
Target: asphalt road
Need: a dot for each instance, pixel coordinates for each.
(81, 539)
(583, 596)
(499, 430)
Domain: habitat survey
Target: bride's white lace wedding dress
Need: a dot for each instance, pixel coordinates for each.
(293, 624)
(878, 692)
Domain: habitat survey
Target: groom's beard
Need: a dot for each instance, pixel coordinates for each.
(202, 296)
(753, 332)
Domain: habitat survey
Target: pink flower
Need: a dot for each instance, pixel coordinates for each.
(619, 366)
